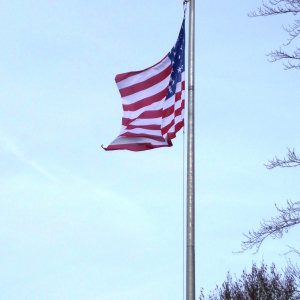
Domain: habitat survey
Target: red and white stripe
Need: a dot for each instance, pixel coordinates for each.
(149, 120)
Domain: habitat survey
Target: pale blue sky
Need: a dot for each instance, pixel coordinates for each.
(79, 223)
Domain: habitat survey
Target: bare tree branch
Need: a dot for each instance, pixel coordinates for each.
(292, 250)
(278, 55)
(278, 7)
(275, 228)
(293, 31)
(291, 161)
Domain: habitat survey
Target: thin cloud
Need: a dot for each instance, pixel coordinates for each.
(11, 147)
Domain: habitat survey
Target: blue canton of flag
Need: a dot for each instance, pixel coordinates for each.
(176, 55)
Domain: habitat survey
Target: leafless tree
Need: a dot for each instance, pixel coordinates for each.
(259, 284)
(292, 160)
(275, 227)
(277, 7)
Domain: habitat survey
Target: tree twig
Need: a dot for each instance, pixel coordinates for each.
(292, 160)
(274, 228)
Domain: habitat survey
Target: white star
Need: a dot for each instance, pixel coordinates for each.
(170, 90)
(181, 48)
(179, 69)
(173, 53)
(179, 56)
(173, 62)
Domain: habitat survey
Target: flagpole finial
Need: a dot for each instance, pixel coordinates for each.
(185, 2)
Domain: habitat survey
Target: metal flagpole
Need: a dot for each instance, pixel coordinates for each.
(190, 237)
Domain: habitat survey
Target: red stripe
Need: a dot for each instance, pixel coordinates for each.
(177, 96)
(136, 147)
(151, 114)
(135, 88)
(167, 112)
(178, 112)
(144, 135)
(150, 127)
(179, 125)
(123, 76)
(146, 101)
(172, 135)
(126, 121)
(166, 128)
(182, 85)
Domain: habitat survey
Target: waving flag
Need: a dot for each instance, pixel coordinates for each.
(153, 102)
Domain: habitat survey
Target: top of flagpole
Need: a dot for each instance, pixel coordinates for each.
(185, 2)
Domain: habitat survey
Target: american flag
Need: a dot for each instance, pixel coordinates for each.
(153, 102)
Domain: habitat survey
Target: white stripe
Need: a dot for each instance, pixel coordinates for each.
(143, 122)
(178, 119)
(135, 140)
(143, 131)
(153, 90)
(144, 75)
(172, 129)
(166, 121)
(183, 76)
(168, 103)
(178, 87)
(178, 104)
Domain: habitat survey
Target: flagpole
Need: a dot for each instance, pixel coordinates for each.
(190, 237)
